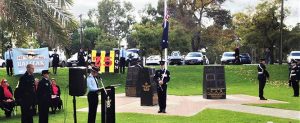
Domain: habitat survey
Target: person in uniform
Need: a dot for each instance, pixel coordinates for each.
(93, 89)
(81, 54)
(44, 97)
(9, 62)
(122, 60)
(162, 77)
(55, 61)
(295, 83)
(263, 75)
(26, 94)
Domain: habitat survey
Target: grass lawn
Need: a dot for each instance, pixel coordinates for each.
(185, 80)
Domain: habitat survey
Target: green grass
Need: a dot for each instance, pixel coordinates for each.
(185, 80)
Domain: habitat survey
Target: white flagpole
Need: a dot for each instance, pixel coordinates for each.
(165, 24)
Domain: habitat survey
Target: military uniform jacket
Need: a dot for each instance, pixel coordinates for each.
(55, 60)
(26, 92)
(262, 72)
(293, 73)
(81, 56)
(44, 91)
(159, 76)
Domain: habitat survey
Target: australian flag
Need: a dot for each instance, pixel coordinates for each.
(165, 38)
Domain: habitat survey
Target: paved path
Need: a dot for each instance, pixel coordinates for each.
(191, 105)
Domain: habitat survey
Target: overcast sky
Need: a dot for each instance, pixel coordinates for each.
(82, 7)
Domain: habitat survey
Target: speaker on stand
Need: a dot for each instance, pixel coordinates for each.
(77, 85)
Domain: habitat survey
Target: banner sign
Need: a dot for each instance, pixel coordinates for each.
(107, 61)
(38, 57)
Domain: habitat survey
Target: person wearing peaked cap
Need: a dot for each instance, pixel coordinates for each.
(262, 76)
(93, 89)
(55, 61)
(294, 78)
(162, 77)
(44, 92)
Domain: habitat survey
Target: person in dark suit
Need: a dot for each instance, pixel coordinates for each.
(237, 55)
(162, 77)
(81, 54)
(262, 76)
(26, 94)
(56, 101)
(55, 61)
(7, 102)
(44, 97)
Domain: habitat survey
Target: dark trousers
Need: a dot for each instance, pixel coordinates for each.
(295, 85)
(262, 83)
(26, 113)
(43, 108)
(54, 70)
(122, 65)
(93, 104)
(7, 107)
(162, 97)
(9, 66)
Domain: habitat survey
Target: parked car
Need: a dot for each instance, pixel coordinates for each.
(153, 60)
(73, 60)
(62, 59)
(295, 55)
(193, 58)
(175, 58)
(245, 58)
(228, 58)
(2, 62)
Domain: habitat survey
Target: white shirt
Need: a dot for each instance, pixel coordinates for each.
(92, 83)
(8, 55)
(123, 53)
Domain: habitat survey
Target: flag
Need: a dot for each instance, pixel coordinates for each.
(165, 38)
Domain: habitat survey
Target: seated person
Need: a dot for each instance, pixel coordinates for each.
(56, 102)
(6, 98)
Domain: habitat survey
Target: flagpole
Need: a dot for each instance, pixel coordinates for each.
(165, 22)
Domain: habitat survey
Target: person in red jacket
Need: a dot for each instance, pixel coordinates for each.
(56, 101)
(7, 102)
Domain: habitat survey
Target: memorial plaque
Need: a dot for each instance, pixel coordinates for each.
(149, 88)
(134, 81)
(214, 86)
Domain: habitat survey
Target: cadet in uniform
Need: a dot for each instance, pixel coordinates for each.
(55, 61)
(162, 77)
(263, 75)
(26, 94)
(295, 81)
(44, 92)
(93, 89)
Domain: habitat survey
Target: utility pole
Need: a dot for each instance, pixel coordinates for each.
(281, 30)
(81, 33)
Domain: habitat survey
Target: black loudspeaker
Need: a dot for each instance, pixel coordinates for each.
(77, 81)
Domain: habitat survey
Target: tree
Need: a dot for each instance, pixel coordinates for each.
(115, 19)
(192, 12)
(261, 28)
(48, 20)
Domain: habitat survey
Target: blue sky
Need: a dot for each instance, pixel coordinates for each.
(82, 7)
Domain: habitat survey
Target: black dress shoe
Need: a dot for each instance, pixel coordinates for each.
(159, 111)
(296, 96)
(263, 98)
(163, 112)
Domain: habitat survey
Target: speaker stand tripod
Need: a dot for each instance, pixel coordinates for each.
(74, 109)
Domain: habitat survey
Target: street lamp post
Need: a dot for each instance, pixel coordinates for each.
(281, 26)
